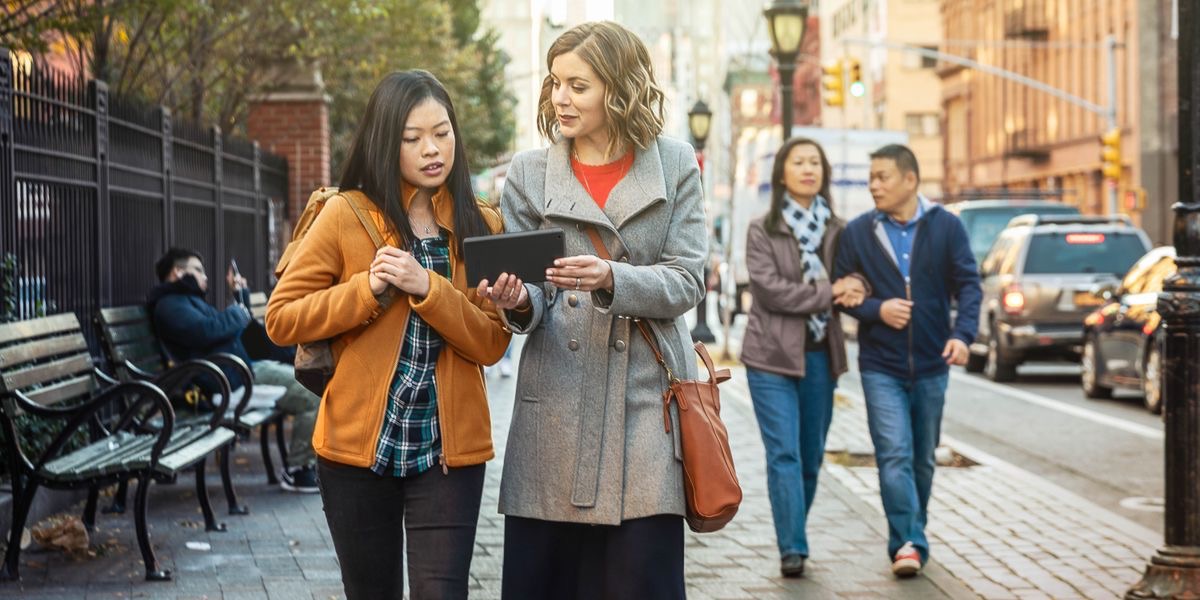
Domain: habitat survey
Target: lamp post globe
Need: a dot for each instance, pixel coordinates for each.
(699, 123)
(786, 21)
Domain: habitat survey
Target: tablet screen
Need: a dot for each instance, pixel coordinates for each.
(526, 254)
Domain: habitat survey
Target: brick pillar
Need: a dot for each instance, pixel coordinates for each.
(293, 121)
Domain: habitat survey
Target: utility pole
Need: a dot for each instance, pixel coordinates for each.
(1174, 571)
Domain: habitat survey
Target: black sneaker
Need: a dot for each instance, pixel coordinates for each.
(792, 565)
(302, 480)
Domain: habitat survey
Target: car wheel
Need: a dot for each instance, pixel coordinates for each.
(1152, 379)
(1089, 374)
(997, 365)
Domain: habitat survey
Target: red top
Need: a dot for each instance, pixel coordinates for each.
(599, 180)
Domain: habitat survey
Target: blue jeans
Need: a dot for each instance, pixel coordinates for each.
(905, 418)
(793, 416)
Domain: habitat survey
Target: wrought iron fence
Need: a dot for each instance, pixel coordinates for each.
(94, 188)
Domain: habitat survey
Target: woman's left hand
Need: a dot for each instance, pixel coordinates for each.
(586, 273)
(399, 268)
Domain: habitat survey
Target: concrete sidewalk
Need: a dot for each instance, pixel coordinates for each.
(983, 518)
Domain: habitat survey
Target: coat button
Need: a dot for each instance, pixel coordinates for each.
(620, 345)
(573, 300)
(573, 345)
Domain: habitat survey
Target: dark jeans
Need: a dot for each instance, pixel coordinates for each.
(369, 517)
(548, 560)
(793, 415)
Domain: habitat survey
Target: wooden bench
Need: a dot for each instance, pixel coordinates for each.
(47, 372)
(135, 352)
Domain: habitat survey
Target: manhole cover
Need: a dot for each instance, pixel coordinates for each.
(1144, 503)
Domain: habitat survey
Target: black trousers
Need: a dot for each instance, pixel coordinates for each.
(370, 516)
(547, 560)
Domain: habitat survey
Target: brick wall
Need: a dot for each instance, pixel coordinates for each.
(298, 129)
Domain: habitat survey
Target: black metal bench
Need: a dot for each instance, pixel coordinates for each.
(46, 371)
(136, 353)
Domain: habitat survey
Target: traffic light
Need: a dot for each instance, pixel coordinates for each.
(1110, 154)
(834, 83)
(858, 88)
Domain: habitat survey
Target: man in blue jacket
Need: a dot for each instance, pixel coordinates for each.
(190, 327)
(917, 258)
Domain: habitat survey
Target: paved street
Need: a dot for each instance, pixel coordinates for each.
(998, 530)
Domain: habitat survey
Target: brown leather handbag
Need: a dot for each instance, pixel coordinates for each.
(709, 478)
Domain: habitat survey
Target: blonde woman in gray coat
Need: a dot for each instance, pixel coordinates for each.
(592, 490)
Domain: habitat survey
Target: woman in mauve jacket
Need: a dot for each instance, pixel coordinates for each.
(793, 348)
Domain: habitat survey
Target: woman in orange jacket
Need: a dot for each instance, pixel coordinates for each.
(403, 430)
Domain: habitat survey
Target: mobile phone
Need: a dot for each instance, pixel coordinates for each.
(233, 265)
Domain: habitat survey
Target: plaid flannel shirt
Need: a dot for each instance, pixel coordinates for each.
(410, 441)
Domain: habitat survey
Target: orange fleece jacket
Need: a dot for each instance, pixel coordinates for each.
(325, 293)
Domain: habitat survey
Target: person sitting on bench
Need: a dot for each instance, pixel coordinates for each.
(190, 327)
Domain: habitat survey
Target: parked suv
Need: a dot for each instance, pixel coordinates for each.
(1041, 278)
(985, 219)
(1122, 340)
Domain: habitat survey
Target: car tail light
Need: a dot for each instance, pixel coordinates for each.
(1014, 302)
(1088, 239)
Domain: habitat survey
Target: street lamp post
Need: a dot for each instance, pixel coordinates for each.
(786, 20)
(1174, 571)
(699, 122)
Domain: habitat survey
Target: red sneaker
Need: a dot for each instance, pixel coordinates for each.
(907, 561)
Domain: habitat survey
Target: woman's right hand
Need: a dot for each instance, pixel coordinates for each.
(508, 294)
(378, 286)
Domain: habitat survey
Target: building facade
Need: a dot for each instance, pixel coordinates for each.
(901, 90)
(1002, 134)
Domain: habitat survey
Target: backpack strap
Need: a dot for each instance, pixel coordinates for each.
(369, 224)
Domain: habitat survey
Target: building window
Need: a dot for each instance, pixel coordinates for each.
(928, 62)
(922, 124)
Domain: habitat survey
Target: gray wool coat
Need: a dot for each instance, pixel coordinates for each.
(587, 442)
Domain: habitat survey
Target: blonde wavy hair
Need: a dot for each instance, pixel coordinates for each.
(633, 102)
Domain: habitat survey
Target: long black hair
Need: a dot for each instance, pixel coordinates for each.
(779, 186)
(373, 165)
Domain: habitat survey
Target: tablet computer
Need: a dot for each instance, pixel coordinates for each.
(526, 254)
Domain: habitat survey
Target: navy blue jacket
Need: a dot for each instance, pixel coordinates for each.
(942, 269)
(190, 327)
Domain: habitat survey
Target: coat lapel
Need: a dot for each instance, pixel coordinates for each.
(643, 187)
(565, 196)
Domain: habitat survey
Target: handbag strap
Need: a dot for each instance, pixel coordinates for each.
(714, 375)
(602, 251)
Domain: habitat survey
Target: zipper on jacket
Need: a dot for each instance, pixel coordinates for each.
(912, 368)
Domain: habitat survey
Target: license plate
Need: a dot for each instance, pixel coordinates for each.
(1087, 299)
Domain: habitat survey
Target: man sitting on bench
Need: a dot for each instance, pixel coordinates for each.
(190, 327)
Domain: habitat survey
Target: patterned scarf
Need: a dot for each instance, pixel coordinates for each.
(808, 226)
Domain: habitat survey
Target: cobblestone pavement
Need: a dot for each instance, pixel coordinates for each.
(1002, 531)
(983, 518)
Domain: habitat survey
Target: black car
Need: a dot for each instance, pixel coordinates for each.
(1122, 340)
(1043, 275)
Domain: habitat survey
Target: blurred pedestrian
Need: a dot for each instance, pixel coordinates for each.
(404, 429)
(917, 259)
(794, 349)
(592, 490)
